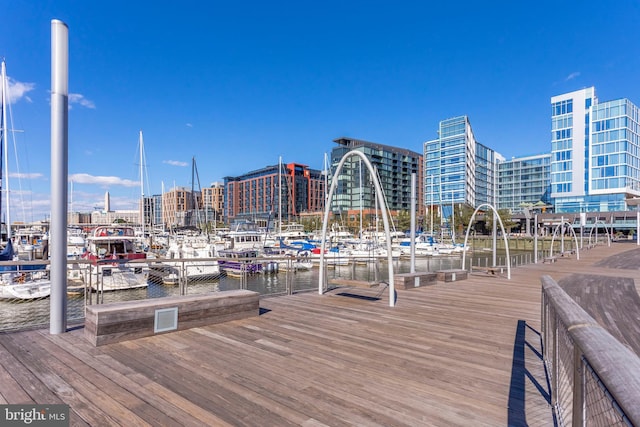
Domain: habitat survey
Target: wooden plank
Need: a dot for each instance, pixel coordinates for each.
(414, 280)
(353, 283)
(452, 275)
(114, 322)
(11, 392)
(444, 355)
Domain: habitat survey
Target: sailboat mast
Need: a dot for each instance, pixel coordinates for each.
(280, 196)
(142, 216)
(4, 174)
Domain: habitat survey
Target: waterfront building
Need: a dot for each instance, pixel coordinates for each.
(178, 206)
(157, 210)
(595, 152)
(213, 200)
(263, 195)
(108, 216)
(524, 181)
(458, 169)
(394, 166)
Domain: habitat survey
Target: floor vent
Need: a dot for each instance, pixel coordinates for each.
(166, 319)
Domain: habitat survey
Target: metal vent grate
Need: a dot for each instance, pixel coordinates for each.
(166, 319)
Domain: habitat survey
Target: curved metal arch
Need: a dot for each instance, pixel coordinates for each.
(608, 231)
(385, 219)
(504, 236)
(575, 238)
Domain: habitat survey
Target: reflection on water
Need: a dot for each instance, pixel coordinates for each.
(18, 315)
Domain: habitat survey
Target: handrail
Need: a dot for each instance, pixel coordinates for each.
(595, 379)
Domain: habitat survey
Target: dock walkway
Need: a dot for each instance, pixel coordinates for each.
(458, 353)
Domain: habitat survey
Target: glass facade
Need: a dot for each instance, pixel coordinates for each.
(458, 169)
(524, 181)
(595, 154)
(394, 167)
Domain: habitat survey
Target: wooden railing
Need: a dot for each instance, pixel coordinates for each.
(595, 380)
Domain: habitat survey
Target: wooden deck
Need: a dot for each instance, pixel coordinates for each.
(459, 353)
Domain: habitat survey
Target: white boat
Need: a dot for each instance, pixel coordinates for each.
(296, 262)
(244, 235)
(196, 261)
(239, 262)
(112, 251)
(33, 281)
(26, 285)
(29, 242)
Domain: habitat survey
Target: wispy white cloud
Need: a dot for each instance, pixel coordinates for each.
(105, 181)
(175, 163)
(18, 90)
(572, 76)
(76, 98)
(25, 175)
(189, 125)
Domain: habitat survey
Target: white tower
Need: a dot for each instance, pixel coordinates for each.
(107, 202)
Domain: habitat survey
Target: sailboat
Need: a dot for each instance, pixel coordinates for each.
(15, 284)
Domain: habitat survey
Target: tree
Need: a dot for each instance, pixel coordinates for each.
(463, 218)
(505, 217)
(403, 221)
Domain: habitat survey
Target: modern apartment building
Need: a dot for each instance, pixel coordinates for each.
(524, 181)
(595, 152)
(179, 205)
(458, 169)
(213, 200)
(284, 191)
(394, 166)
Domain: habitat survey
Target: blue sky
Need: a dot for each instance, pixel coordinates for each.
(237, 85)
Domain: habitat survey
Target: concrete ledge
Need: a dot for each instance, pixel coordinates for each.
(121, 321)
(549, 259)
(408, 280)
(451, 275)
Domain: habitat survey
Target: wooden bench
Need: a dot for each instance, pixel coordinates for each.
(549, 259)
(121, 321)
(414, 280)
(451, 275)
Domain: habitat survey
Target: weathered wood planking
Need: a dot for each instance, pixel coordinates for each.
(612, 301)
(349, 283)
(414, 280)
(114, 322)
(452, 275)
(444, 355)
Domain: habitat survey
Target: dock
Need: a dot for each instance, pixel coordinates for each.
(455, 354)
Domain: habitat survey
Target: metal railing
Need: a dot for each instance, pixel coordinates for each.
(595, 379)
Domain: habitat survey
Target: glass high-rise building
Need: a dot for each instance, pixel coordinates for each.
(393, 165)
(595, 152)
(458, 169)
(524, 181)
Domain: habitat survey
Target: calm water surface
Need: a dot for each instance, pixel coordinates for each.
(18, 315)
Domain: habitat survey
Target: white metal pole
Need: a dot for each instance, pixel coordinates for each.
(5, 147)
(412, 232)
(535, 239)
(59, 174)
(142, 216)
